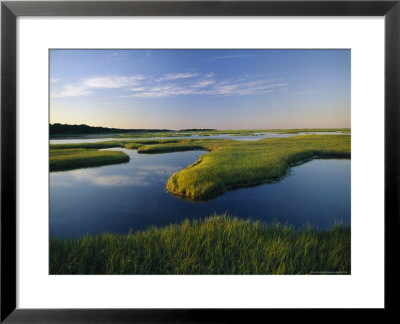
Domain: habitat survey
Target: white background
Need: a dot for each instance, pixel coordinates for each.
(363, 288)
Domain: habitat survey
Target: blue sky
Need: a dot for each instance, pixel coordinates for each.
(222, 89)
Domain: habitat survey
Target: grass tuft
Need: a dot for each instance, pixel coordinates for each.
(217, 245)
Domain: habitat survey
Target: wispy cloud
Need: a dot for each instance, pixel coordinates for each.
(248, 88)
(177, 76)
(85, 87)
(71, 90)
(111, 82)
(146, 56)
(202, 83)
(211, 87)
(230, 56)
(173, 84)
(112, 55)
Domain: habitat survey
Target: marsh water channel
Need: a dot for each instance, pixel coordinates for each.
(131, 196)
(236, 137)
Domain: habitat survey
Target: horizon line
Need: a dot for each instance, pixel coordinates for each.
(202, 128)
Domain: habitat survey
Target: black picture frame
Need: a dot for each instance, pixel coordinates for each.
(10, 10)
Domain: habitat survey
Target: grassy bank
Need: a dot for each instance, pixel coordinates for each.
(68, 159)
(232, 164)
(217, 245)
(83, 155)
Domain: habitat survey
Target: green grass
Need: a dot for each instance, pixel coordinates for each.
(216, 245)
(232, 164)
(312, 130)
(68, 159)
(83, 155)
(97, 145)
(184, 145)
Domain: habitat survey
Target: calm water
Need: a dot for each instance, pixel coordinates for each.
(122, 197)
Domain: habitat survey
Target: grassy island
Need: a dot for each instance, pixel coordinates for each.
(233, 164)
(84, 155)
(68, 159)
(216, 245)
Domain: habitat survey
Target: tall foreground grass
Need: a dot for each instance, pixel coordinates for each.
(216, 245)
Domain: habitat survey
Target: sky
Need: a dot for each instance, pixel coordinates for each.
(220, 89)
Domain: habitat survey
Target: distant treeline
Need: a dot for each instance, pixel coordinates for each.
(65, 129)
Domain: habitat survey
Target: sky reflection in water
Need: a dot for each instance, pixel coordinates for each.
(131, 196)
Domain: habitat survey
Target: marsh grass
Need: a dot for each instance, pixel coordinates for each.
(97, 145)
(68, 159)
(171, 147)
(83, 155)
(216, 245)
(232, 164)
(312, 130)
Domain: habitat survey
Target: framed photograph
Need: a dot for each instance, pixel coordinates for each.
(197, 160)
